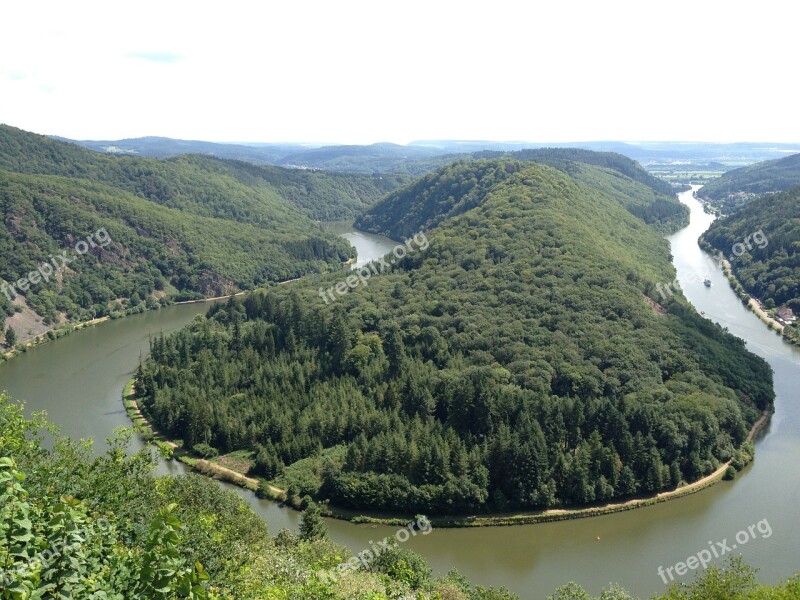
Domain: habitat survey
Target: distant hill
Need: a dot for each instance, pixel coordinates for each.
(184, 227)
(735, 188)
(457, 187)
(163, 147)
(642, 152)
(557, 157)
(374, 158)
(365, 159)
(424, 156)
(769, 268)
(517, 357)
(203, 184)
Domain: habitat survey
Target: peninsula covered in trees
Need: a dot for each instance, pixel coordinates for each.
(522, 360)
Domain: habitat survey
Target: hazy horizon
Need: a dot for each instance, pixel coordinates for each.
(418, 142)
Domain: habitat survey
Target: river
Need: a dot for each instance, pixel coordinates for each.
(79, 380)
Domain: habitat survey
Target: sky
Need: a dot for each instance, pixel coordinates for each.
(340, 71)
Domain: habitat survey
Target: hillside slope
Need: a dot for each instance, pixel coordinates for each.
(735, 188)
(762, 242)
(152, 251)
(201, 184)
(515, 358)
(460, 186)
(180, 228)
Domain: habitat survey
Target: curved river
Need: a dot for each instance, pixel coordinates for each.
(79, 380)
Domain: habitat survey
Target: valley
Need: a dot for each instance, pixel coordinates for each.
(419, 301)
(536, 559)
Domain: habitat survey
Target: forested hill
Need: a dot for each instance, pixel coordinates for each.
(144, 254)
(734, 188)
(323, 196)
(770, 268)
(180, 228)
(368, 159)
(202, 184)
(460, 186)
(557, 157)
(519, 356)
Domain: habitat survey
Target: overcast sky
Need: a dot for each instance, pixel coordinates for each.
(362, 72)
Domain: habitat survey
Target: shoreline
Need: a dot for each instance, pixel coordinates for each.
(754, 306)
(70, 326)
(216, 471)
(64, 329)
(172, 450)
(201, 300)
(564, 514)
(45, 337)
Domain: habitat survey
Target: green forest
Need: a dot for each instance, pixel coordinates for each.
(181, 228)
(448, 192)
(740, 186)
(557, 157)
(521, 361)
(770, 270)
(258, 195)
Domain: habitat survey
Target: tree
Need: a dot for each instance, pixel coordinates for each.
(339, 340)
(312, 526)
(403, 565)
(11, 337)
(570, 591)
(395, 350)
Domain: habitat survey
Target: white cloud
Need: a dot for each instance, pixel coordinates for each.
(388, 71)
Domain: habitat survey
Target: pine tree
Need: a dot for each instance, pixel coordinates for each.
(339, 341)
(11, 337)
(312, 527)
(395, 350)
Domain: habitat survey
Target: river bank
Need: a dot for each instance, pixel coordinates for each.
(755, 306)
(60, 331)
(47, 336)
(172, 450)
(606, 509)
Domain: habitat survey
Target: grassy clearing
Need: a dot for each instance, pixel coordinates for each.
(174, 448)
